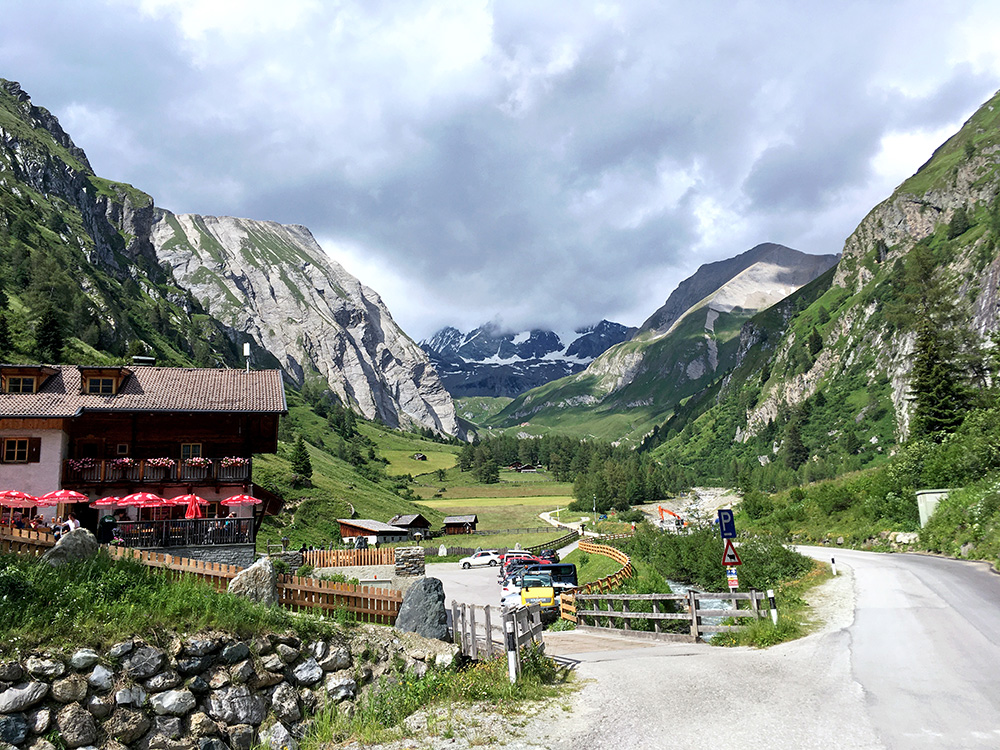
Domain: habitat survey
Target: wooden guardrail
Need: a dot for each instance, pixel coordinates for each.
(483, 635)
(342, 558)
(567, 600)
(555, 543)
(25, 541)
(621, 609)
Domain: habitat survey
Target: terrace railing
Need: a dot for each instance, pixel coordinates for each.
(183, 532)
(82, 471)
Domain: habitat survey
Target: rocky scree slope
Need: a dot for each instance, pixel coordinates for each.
(683, 347)
(489, 361)
(274, 285)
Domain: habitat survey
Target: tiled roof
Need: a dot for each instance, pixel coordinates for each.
(460, 519)
(407, 520)
(369, 525)
(174, 389)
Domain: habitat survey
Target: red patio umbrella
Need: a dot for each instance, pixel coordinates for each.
(106, 502)
(17, 499)
(62, 496)
(242, 500)
(193, 503)
(143, 500)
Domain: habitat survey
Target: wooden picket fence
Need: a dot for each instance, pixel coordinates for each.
(217, 574)
(368, 604)
(25, 541)
(342, 558)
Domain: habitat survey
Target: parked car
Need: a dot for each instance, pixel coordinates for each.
(484, 557)
(549, 554)
(513, 564)
(533, 589)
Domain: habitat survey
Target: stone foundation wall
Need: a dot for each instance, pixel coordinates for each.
(243, 555)
(204, 692)
(293, 560)
(410, 561)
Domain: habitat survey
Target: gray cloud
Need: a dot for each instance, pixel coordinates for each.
(551, 165)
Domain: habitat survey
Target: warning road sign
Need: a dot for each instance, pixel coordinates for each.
(729, 556)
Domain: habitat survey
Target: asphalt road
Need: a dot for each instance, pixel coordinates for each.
(908, 658)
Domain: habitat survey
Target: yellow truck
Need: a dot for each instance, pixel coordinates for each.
(532, 588)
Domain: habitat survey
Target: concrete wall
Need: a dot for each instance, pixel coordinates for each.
(927, 502)
(43, 476)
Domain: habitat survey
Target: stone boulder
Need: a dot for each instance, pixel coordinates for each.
(423, 610)
(78, 544)
(258, 583)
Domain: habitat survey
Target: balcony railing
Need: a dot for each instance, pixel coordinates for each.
(180, 532)
(97, 471)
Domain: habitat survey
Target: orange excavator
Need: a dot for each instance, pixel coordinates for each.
(679, 522)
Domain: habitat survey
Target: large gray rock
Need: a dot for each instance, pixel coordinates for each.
(13, 729)
(277, 737)
(336, 659)
(70, 689)
(144, 662)
(237, 705)
(423, 610)
(76, 725)
(285, 703)
(10, 671)
(258, 583)
(45, 668)
(83, 658)
(20, 697)
(79, 544)
(126, 725)
(173, 703)
(341, 688)
(308, 672)
(101, 679)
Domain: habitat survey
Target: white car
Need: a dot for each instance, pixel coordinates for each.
(484, 557)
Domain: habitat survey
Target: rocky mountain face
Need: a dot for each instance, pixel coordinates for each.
(123, 277)
(684, 346)
(492, 362)
(275, 286)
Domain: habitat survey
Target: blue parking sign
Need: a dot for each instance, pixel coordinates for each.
(727, 523)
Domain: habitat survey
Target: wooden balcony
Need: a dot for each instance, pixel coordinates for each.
(92, 471)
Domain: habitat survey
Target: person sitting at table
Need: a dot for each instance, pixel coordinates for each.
(71, 523)
(18, 521)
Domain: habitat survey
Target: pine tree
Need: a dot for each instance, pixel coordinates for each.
(301, 464)
(939, 399)
(795, 450)
(49, 335)
(5, 341)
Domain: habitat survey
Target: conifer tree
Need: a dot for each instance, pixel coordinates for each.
(939, 399)
(795, 450)
(49, 335)
(300, 459)
(5, 340)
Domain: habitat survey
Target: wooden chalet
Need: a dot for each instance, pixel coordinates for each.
(413, 523)
(375, 532)
(113, 431)
(460, 524)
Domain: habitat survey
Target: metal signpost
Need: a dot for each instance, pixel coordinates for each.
(727, 527)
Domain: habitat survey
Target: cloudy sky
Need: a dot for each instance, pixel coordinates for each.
(548, 163)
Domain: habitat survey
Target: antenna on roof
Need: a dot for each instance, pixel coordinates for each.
(246, 354)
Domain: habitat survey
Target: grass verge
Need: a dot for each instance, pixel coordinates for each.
(100, 601)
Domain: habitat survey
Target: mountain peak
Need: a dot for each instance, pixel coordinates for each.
(779, 271)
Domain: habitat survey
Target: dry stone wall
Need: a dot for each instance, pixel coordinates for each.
(204, 692)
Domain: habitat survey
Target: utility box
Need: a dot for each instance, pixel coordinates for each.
(927, 502)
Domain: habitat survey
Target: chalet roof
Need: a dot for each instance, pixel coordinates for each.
(460, 519)
(369, 525)
(409, 520)
(152, 389)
